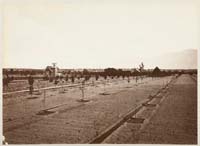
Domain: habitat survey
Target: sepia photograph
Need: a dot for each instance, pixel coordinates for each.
(100, 71)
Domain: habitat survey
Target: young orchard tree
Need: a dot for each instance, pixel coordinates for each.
(81, 76)
(82, 89)
(31, 81)
(89, 76)
(97, 77)
(56, 80)
(128, 79)
(72, 78)
(86, 77)
(136, 79)
(66, 78)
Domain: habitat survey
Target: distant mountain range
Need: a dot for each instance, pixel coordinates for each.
(186, 59)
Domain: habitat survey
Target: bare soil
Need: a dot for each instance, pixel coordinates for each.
(68, 120)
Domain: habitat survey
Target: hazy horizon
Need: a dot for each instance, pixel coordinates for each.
(146, 62)
(97, 34)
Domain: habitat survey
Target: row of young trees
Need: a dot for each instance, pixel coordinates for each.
(108, 73)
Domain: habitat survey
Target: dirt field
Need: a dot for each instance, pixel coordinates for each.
(67, 120)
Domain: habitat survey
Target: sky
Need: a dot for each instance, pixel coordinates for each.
(96, 33)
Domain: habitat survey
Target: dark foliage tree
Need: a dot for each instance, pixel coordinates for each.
(156, 72)
(110, 71)
(85, 72)
(11, 71)
(69, 72)
(87, 77)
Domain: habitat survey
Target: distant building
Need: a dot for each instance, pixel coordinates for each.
(52, 71)
(156, 72)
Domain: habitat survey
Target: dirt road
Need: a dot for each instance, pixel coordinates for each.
(172, 121)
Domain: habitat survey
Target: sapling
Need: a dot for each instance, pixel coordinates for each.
(66, 78)
(62, 88)
(92, 82)
(82, 89)
(105, 77)
(38, 86)
(44, 99)
(30, 81)
(136, 79)
(97, 77)
(104, 86)
(56, 80)
(72, 78)
(88, 77)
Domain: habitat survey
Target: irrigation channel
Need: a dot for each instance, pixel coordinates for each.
(19, 112)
